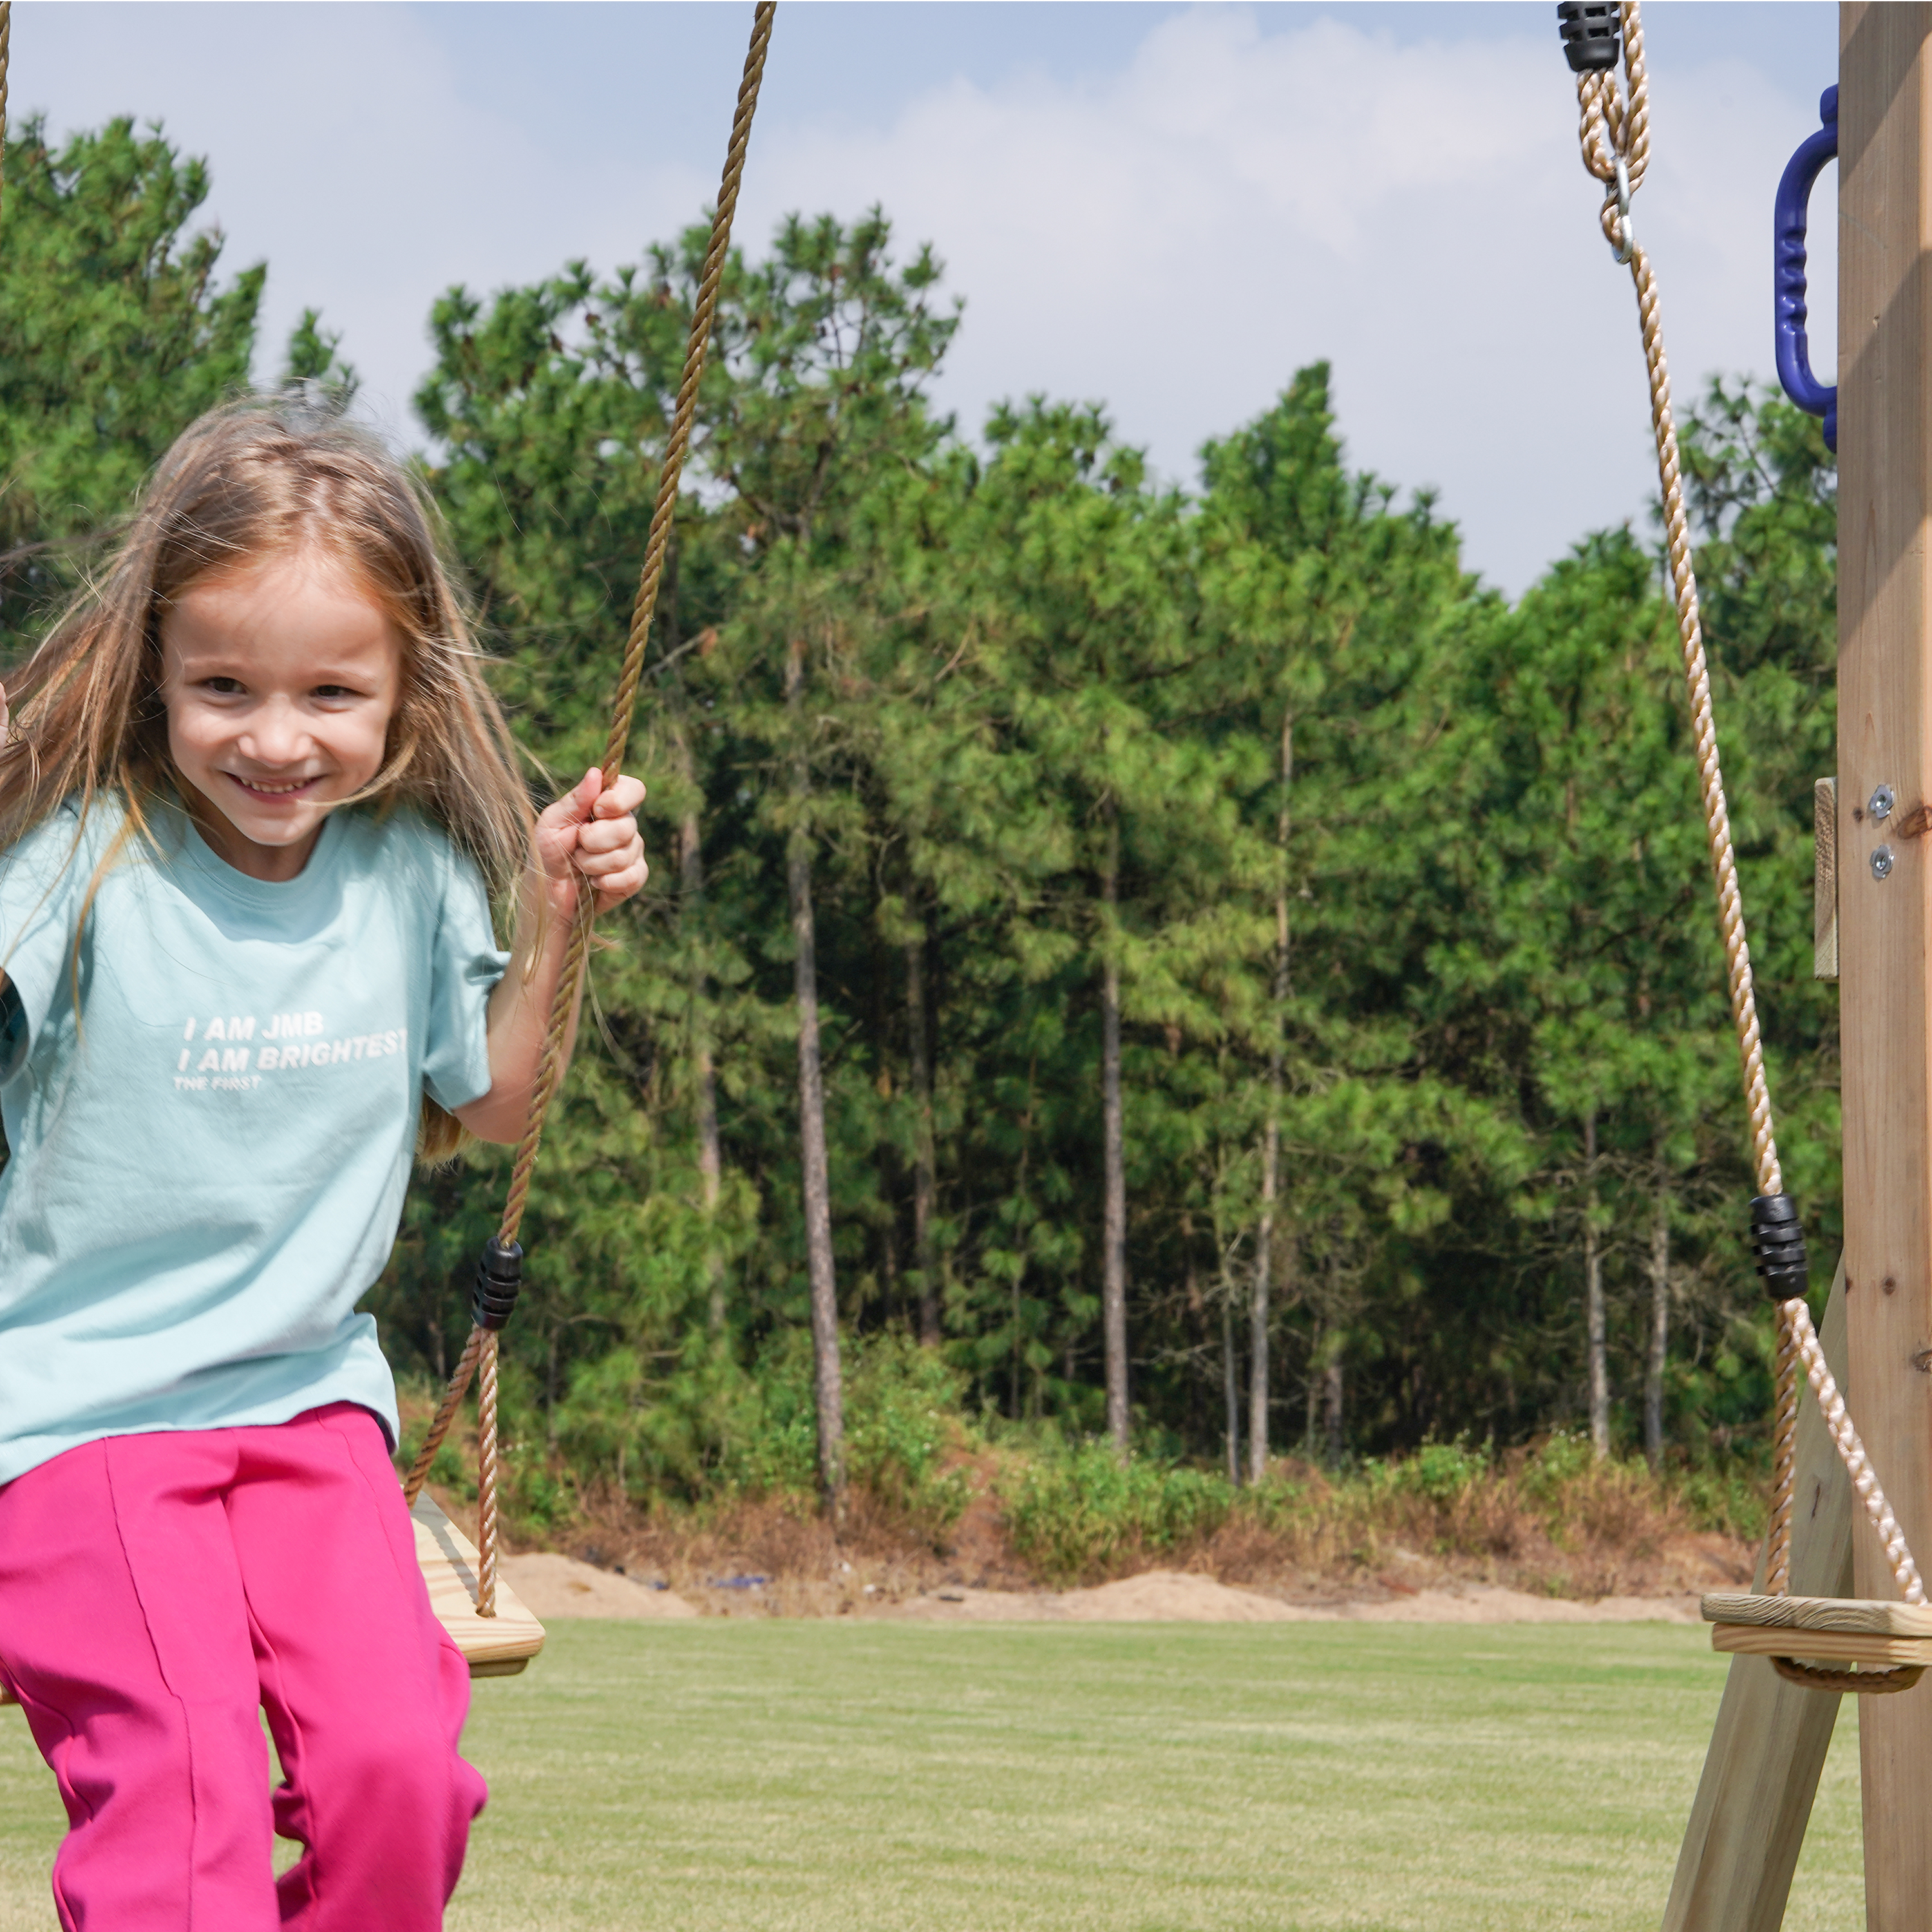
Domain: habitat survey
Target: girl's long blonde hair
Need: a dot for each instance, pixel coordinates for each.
(264, 477)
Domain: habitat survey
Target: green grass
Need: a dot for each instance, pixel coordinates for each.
(804, 1777)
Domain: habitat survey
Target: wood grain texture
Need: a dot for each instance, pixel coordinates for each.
(1754, 1801)
(496, 1646)
(1824, 879)
(1839, 1615)
(1885, 468)
(1820, 1646)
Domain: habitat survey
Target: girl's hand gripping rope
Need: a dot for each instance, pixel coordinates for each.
(592, 833)
(589, 834)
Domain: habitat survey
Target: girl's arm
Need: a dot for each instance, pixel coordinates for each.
(588, 833)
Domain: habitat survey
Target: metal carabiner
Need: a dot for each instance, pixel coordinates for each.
(1627, 245)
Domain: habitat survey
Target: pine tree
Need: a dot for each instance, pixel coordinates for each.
(116, 334)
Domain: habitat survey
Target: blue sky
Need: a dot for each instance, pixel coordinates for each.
(1165, 209)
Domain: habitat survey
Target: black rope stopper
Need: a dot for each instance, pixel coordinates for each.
(1589, 32)
(1777, 1247)
(499, 1273)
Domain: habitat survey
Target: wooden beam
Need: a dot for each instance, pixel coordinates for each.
(1761, 1774)
(1885, 889)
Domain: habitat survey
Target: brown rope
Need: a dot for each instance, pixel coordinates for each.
(482, 1345)
(1784, 1460)
(6, 48)
(1614, 127)
(445, 1413)
(1849, 1683)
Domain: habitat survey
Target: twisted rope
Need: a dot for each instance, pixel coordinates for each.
(1849, 1683)
(1851, 1453)
(482, 1346)
(1784, 1460)
(1614, 129)
(6, 48)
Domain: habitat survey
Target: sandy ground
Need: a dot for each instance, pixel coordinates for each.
(1170, 1596)
(554, 1587)
(558, 1587)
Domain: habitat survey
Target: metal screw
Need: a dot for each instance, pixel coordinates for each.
(1882, 862)
(1881, 802)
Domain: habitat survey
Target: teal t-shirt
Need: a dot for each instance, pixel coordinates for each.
(208, 1152)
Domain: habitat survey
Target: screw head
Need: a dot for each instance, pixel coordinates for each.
(1882, 862)
(1881, 802)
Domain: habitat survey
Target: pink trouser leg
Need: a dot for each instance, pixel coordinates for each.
(365, 1694)
(156, 1593)
(131, 1656)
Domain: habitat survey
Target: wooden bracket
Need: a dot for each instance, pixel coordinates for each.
(1824, 879)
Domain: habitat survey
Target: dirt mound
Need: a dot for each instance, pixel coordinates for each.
(555, 1587)
(1174, 1596)
(1485, 1604)
(1154, 1597)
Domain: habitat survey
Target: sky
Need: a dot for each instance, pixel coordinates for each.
(1166, 209)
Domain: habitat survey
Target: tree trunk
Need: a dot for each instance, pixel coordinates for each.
(710, 1165)
(1660, 1318)
(1311, 1406)
(1331, 1384)
(1230, 1385)
(1114, 1257)
(1595, 1319)
(549, 1389)
(1258, 1311)
(827, 1383)
(925, 1175)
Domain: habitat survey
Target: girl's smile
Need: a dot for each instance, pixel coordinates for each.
(280, 679)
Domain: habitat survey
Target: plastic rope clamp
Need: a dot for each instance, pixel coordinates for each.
(1777, 1247)
(1788, 226)
(499, 1274)
(1589, 33)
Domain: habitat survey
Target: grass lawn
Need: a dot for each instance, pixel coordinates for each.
(810, 1777)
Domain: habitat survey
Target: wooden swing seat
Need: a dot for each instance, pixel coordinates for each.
(498, 1646)
(1820, 1630)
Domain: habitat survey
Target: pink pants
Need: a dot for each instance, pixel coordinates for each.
(156, 1594)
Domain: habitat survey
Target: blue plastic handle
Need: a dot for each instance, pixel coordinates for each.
(1794, 199)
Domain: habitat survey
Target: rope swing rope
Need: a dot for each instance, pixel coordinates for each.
(500, 1272)
(1614, 132)
(6, 50)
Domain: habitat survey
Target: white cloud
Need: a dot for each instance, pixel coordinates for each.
(1173, 238)
(1177, 240)
(343, 150)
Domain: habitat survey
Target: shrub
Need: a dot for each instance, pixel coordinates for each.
(1083, 1514)
(901, 1404)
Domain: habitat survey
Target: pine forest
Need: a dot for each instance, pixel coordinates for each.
(1187, 974)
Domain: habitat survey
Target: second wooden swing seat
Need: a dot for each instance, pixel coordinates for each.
(1825, 1629)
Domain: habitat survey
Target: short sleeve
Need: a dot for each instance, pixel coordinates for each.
(464, 968)
(43, 883)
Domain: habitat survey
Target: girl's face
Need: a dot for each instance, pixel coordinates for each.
(280, 680)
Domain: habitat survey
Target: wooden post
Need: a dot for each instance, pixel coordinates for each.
(1884, 882)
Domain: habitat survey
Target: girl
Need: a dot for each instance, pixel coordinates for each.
(251, 808)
